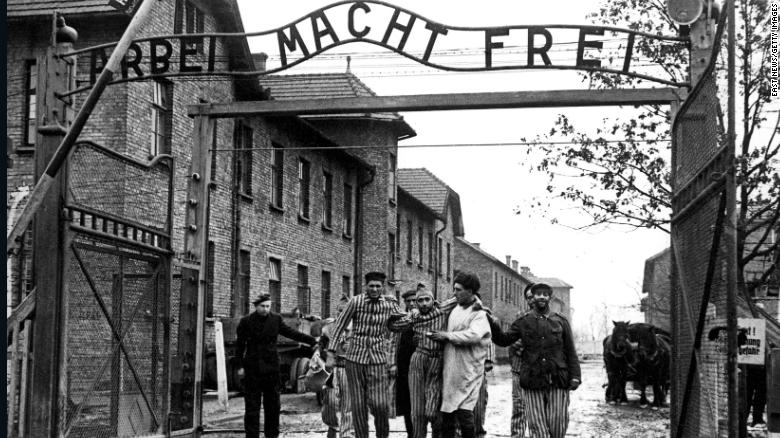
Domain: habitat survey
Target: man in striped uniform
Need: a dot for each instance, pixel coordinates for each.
(425, 365)
(336, 410)
(517, 422)
(549, 368)
(368, 365)
(480, 410)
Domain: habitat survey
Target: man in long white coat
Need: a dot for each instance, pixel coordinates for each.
(464, 358)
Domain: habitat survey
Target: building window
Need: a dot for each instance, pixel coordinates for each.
(398, 240)
(243, 154)
(193, 22)
(409, 241)
(241, 296)
(420, 247)
(391, 177)
(439, 252)
(304, 293)
(449, 260)
(391, 244)
(327, 199)
(210, 263)
(347, 210)
(162, 96)
(304, 181)
(325, 299)
(345, 286)
(30, 101)
(430, 251)
(495, 286)
(275, 283)
(277, 175)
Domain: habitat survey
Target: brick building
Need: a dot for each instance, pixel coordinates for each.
(429, 220)
(372, 138)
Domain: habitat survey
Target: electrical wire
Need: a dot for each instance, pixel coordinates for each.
(437, 145)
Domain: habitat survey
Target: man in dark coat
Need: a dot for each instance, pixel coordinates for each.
(257, 335)
(405, 349)
(549, 368)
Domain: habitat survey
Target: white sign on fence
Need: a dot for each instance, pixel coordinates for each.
(753, 352)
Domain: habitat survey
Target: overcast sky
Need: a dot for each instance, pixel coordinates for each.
(605, 266)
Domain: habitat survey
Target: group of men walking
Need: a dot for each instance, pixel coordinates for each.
(426, 362)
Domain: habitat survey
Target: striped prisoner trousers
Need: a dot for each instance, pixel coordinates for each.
(517, 426)
(336, 413)
(547, 411)
(425, 393)
(368, 387)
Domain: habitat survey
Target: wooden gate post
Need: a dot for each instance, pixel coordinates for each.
(53, 116)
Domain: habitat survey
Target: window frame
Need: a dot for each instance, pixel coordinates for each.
(243, 285)
(327, 200)
(420, 246)
(304, 189)
(409, 241)
(348, 220)
(303, 290)
(193, 22)
(161, 117)
(277, 177)
(244, 143)
(30, 104)
(325, 296)
(392, 168)
(275, 282)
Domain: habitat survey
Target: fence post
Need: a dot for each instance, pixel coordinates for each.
(53, 117)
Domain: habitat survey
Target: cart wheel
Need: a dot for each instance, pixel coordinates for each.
(292, 383)
(303, 367)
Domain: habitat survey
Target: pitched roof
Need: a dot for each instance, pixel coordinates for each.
(552, 281)
(494, 259)
(25, 8)
(424, 186)
(327, 86)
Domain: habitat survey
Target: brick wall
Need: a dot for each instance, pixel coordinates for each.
(412, 271)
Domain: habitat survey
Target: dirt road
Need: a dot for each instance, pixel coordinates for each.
(589, 415)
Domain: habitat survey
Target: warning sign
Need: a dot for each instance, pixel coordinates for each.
(752, 353)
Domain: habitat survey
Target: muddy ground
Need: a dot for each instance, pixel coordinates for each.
(590, 416)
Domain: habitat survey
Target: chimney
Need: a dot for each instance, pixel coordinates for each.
(514, 265)
(525, 271)
(509, 260)
(259, 60)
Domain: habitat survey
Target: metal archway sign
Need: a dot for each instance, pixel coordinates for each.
(520, 47)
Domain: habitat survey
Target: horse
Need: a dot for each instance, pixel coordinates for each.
(652, 361)
(618, 360)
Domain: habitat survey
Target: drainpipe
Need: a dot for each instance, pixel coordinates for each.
(358, 263)
(438, 261)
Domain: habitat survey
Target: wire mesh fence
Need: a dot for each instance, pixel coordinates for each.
(116, 305)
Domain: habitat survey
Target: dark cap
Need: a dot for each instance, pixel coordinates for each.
(261, 299)
(409, 293)
(375, 276)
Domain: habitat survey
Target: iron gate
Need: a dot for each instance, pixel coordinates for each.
(702, 258)
(117, 289)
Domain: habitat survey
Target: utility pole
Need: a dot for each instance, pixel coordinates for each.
(187, 367)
